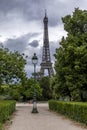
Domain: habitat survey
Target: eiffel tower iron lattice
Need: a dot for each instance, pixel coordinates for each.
(46, 59)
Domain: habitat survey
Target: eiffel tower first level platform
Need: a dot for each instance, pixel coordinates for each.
(46, 59)
(47, 66)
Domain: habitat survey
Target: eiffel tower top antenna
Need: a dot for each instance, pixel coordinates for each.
(45, 13)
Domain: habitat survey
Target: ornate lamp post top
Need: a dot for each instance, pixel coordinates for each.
(34, 59)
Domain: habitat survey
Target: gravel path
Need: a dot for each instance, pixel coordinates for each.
(44, 120)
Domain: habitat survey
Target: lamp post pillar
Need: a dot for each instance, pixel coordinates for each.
(34, 110)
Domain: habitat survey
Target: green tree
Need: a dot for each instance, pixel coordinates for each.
(16, 91)
(46, 89)
(71, 57)
(29, 89)
(53, 86)
(11, 66)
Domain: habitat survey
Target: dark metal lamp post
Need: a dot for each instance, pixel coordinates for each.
(34, 61)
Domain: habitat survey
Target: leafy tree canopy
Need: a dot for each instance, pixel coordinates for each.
(29, 89)
(11, 66)
(71, 57)
(46, 89)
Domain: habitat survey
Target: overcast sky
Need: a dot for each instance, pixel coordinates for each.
(21, 25)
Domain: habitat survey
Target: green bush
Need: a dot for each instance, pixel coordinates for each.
(1, 126)
(6, 109)
(74, 110)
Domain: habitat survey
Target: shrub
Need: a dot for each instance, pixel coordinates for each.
(74, 110)
(6, 109)
(1, 126)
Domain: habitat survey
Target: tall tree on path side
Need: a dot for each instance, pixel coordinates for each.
(71, 57)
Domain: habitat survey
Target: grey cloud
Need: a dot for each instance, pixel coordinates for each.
(34, 9)
(28, 9)
(19, 44)
(53, 46)
(38, 51)
(34, 43)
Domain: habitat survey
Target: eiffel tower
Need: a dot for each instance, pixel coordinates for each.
(46, 60)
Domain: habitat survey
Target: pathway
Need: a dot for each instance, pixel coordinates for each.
(44, 120)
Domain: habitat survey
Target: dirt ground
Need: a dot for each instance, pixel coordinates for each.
(23, 119)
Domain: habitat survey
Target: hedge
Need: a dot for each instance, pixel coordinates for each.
(6, 109)
(74, 110)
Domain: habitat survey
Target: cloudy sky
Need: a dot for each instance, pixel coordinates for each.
(21, 25)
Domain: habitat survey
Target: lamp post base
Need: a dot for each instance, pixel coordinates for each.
(34, 110)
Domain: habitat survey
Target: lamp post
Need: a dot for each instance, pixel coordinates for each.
(34, 61)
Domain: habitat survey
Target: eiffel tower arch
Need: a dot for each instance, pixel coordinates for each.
(46, 59)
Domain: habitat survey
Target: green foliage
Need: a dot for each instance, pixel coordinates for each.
(29, 89)
(15, 94)
(77, 23)
(4, 90)
(74, 110)
(6, 109)
(53, 85)
(11, 66)
(11, 92)
(1, 126)
(46, 90)
(16, 91)
(21, 92)
(71, 57)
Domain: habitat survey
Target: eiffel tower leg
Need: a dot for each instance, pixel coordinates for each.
(42, 72)
(49, 72)
(52, 72)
